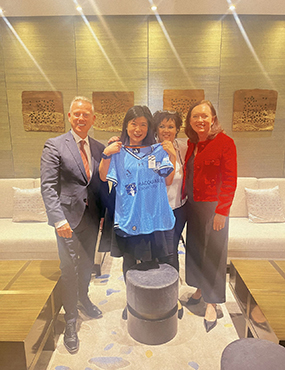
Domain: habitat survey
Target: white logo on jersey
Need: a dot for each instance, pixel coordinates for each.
(131, 189)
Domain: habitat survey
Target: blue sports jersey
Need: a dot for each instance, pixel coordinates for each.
(141, 197)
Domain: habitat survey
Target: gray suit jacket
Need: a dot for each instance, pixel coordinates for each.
(64, 185)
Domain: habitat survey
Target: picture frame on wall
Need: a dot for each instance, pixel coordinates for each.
(43, 111)
(110, 109)
(254, 110)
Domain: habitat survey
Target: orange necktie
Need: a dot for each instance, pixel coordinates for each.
(84, 159)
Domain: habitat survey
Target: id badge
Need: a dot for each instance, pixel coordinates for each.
(151, 161)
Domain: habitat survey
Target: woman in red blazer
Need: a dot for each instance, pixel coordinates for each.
(210, 178)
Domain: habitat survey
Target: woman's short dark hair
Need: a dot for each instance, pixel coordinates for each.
(160, 115)
(133, 113)
(215, 128)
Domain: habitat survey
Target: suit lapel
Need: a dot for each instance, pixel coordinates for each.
(72, 146)
(94, 156)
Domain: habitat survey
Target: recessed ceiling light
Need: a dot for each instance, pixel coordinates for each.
(232, 8)
(154, 8)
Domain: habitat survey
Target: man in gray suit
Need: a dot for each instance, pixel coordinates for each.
(73, 193)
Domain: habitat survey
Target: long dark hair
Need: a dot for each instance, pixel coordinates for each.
(215, 128)
(133, 113)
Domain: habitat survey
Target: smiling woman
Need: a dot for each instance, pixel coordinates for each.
(210, 179)
(167, 124)
(139, 170)
(137, 130)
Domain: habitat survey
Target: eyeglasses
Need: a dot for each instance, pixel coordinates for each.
(168, 111)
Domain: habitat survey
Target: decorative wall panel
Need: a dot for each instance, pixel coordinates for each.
(43, 111)
(260, 153)
(181, 100)
(147, 56)
(254, 110)
(111, 108)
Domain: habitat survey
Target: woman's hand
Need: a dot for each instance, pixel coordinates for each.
(113, 138)
(113, 148)
(169, 148)
(219, 222)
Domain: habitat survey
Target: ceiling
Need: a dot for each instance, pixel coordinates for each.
(19, 8)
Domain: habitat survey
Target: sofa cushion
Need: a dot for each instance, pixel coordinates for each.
(7, 194)
(239, 207)
(27, 240)
(28, 205)
(266, 183)
(264, 205)
(255, 240)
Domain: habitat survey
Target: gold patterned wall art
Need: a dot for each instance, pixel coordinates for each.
(181, 100)
(111, 108)
(254, 110)
(43, 111)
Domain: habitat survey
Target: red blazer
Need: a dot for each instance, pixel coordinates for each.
(215, 172)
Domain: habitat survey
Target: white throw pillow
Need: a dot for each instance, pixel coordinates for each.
(264, 205)
(28, 205)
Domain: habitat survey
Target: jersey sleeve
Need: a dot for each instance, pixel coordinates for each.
(112, 174)
(165, 167)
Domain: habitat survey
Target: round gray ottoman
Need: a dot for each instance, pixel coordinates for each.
(152, 295)
(253, 354)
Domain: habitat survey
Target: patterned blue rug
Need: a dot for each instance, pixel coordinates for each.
(106, 344)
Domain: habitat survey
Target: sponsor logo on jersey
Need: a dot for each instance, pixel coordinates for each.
(131, 189)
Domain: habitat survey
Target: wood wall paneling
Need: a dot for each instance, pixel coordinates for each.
(111, 55)
(184, 56)
(49, 64)
(120, 62)
(6, 153)
(198, 51)
(257, 66)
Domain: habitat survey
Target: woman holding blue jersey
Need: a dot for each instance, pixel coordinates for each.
(140, 169)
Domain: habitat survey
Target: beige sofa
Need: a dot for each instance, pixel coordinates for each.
(33, 239)
(255, 240)
(36, 240)
(24, 239)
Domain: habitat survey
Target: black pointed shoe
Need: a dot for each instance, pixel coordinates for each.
(70, 338)
(180, 311)
(89, 309)
(209, 325)
(125, 313)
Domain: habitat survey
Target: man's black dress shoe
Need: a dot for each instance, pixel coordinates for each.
(89, 309)
(70, 338)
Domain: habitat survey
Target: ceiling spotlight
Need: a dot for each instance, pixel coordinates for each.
(232, 8)
(78, 8)
(1, 11)
(154, 8)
